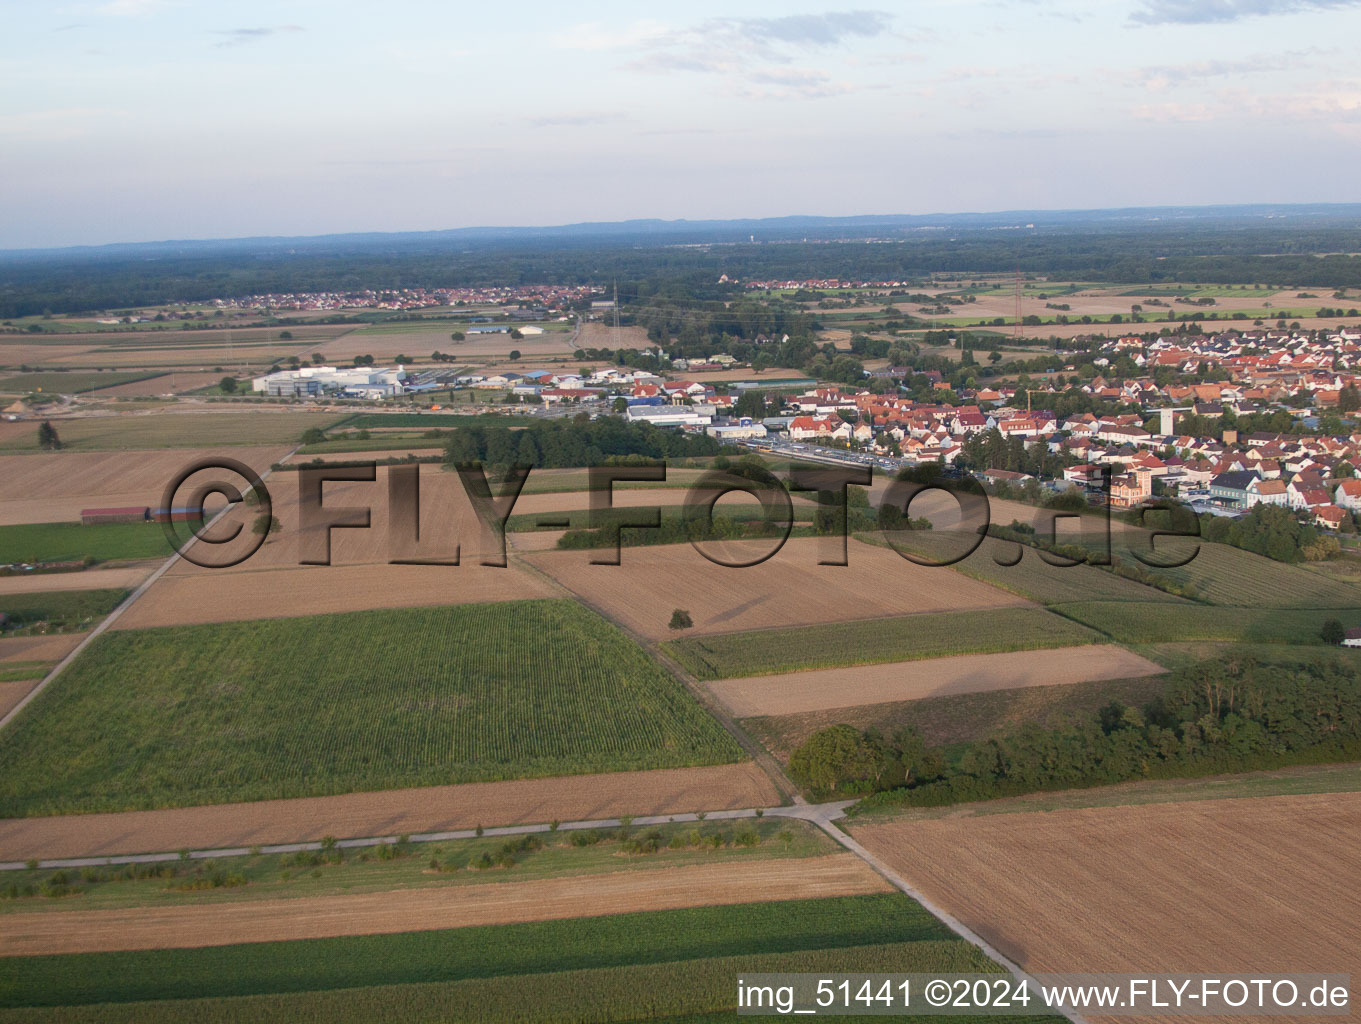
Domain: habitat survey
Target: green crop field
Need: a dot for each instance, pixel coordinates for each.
(768, 651)
(72, 542)
(1032, 577)
(176, 430)
(62, 610)
(70, 383)
(1230, 576)
(340, 703)
(642, 966)
(1129, 623)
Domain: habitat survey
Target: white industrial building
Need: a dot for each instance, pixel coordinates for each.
(345, 382)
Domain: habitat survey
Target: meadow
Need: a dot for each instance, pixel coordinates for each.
(1130, 623)
(70, 383)
(175, 430)
(72, 542)
(620, 967)
(361, 701)
(867, 642)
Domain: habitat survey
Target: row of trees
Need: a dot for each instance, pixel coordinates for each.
(1230, 714)
(580, 441)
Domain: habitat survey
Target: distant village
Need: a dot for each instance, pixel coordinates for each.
(1223, 471)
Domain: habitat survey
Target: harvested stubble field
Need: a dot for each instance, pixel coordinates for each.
(654, 964)
(342, 703)
(93, 579)
(1257, 884)
(788, 590)
(189, 598)
(202, 429)
(824, 689)
(393, 812)
(435, 908)
(867, 642)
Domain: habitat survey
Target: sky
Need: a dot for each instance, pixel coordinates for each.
(140, 120)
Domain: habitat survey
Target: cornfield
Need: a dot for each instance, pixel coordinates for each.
(342, 703)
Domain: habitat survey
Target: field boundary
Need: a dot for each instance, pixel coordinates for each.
(108, 621)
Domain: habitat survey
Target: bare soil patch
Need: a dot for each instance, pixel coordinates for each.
(90, 579)
(789, 589)
(1246, 885)
(824, 689)
(13, 692)
(38, 648)
(411, 811)
(429, 909)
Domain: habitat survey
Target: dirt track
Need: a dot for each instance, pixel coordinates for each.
(427, 909)
(1261, 884)
(393, 812)
(825, 689)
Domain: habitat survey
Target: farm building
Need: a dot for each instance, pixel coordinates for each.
(94, 516)
(177, 515)
(1352, 638)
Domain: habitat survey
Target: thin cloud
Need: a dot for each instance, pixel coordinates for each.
(241, 36)
(574, 120)
(1161, 77)
(1212, 12)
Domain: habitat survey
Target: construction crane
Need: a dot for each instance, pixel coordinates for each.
(1030, 393)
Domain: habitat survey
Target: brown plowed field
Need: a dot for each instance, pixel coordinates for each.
(225, 596)
(790, 589)
(38, 648)
(824, 689)
(429, 909)
(90, 579)
(50, 488)
(412, 811)
(1244, 885)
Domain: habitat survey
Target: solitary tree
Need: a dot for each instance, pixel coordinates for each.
(680, 619)
(514, 355)
(228, 385)
(264, 525)
(1332, 632)
(47, 437)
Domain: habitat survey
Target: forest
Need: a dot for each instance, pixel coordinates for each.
(1229, 714)
(1234, 246)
